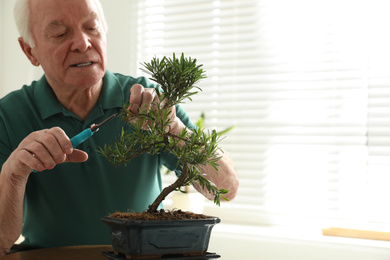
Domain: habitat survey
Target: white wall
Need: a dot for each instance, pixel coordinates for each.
(122, 35)
(16, 70)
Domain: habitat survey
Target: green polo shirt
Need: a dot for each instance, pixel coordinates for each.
(63, 206)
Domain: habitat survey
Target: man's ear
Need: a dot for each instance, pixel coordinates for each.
(28, 51)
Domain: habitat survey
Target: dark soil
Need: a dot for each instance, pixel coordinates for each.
(159, 215)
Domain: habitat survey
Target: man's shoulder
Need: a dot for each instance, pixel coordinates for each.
(18, 97)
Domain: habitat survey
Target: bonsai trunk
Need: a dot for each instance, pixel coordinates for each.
(165, 192)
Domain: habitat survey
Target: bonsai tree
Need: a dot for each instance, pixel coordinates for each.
(193, 148)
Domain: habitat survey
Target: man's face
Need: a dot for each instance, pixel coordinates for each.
(70, 42)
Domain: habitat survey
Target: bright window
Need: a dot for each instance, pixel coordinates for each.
(307, 84)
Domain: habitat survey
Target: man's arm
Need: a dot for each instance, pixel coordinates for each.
(40, 150)
(12, 188)
(225, 178)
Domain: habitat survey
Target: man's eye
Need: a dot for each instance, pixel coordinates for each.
(94, 29)
(59, 35)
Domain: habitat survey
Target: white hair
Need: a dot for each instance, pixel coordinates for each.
(22, 19)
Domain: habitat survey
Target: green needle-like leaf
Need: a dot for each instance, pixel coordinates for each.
(150, 128)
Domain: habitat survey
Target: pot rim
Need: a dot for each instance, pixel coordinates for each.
(211, 220)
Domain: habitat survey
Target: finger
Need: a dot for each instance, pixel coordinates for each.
(77, 156)
(176, 125)
(39, 151)
(62, 139)
(48, 148)
(136, 97)
(29, 161)
(148, 97)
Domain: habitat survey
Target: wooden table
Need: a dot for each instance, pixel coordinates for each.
(61, 253)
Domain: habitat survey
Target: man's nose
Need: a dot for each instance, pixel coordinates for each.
(80, 42)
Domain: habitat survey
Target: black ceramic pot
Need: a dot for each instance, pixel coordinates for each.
(155, 238)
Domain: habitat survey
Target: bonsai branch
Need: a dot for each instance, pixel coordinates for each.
(167, 190)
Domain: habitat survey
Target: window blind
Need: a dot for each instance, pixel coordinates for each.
(307, 85)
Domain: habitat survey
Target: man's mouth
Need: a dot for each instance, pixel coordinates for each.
(83, 64)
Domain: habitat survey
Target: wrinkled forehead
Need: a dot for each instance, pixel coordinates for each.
(45, 12)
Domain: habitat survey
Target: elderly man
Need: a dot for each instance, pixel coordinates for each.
(61, 203)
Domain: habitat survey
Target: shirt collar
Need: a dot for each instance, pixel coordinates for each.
(48, 104)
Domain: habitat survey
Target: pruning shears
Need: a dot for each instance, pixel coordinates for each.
(88, 133)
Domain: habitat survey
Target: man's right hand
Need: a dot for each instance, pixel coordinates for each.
(40, 150)
(43, 150)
